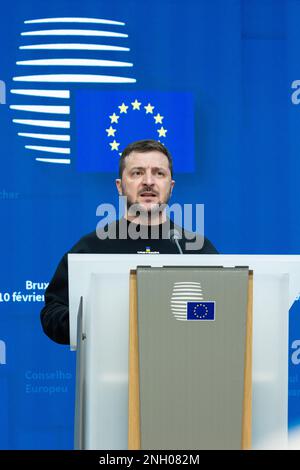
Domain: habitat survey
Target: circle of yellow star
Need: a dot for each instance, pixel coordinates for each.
(158, 118)
(136, 105)
(149, 108)
(114, 118)
(111, 131)
(203, 315)
(114, 145)
(162, 132)
(123, 108)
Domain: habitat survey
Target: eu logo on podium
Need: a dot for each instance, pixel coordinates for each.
(201, 311)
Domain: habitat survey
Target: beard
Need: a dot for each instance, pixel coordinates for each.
(155, 206)
(137, 209)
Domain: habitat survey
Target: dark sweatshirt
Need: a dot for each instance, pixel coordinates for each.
(55, 314)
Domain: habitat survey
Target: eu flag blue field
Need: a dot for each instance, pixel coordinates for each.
(106, 122)
(201, 311)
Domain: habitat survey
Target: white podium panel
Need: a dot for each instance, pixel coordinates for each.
(107, 332)
(103, 282)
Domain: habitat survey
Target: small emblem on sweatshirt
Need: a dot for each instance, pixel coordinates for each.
(148, 251)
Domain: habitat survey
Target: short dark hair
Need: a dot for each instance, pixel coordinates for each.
(144, 146)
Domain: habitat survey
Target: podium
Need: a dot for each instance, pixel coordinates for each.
(204, 364)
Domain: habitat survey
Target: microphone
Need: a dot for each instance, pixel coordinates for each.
(174, 236)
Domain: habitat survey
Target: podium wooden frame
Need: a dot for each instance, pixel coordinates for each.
(134, 431)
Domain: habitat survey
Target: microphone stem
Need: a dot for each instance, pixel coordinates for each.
(178, 246)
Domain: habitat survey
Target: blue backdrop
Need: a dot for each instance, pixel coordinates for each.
(238, 61)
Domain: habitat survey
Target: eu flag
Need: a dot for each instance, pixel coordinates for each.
(106, 122)
(201, 310)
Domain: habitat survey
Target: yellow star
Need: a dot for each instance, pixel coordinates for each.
(136, 105)
(114, 145)
(149, 108)
(123, 108)
(162, 132)
(110, 131)
(158, 119)
(114, 118)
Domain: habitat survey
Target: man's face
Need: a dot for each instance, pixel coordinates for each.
(146, 179)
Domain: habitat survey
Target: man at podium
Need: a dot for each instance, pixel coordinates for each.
(146, 180)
